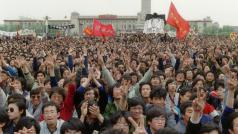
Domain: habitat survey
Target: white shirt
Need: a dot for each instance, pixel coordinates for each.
(44, 129)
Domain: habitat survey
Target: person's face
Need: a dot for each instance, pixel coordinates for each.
(136, 112)
(221, 77)
(83, 80)
(89, 95)
(199, 84)
(221, 92)
(66, 74)
(210, 77)
(233, 75)
(17, 85)
(188, 113)
(158, 102)
(145, 91)
(36, 99)
(117, 93)
(206, 69)
(14, 112)
(172, 87)
(155, 81)
(50, 115)
(40, 77)
(3, 77)
(168, 72)
(25, 130)
(121, 67)
(189, 75)
(48, 87)
(122, 125)
(118, 75)
(57, 98)
(157, 123)
(133, 64)
(134, 79)
(180, 77)
(185, 97)
(143, 66)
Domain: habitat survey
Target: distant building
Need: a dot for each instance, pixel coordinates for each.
(120, 23)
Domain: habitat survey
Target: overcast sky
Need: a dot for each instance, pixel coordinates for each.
(222, 11)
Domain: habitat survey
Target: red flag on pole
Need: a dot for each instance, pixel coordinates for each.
(88, 31)
(107, 30)
(97, 28)
(175, 20)
(100, 29)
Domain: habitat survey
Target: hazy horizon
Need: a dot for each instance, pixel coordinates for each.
(219, 11)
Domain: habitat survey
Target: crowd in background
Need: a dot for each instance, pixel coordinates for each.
(130, 84)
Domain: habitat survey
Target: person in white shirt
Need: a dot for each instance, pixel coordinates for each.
(51, 123)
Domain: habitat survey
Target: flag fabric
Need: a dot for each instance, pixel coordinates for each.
(174, 19)
(97, 28)
(100, 29)
(154, 23)
(88, 31)
(107, 30)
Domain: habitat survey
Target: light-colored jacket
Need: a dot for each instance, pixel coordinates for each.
(44, 129)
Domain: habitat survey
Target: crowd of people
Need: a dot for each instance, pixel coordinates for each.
(130, 84)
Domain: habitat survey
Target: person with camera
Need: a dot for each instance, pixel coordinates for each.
(91, 116)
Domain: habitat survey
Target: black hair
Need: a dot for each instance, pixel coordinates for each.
(16, 97)
(48, 104)
(180, 72)
(22, 81)
(113, 131)
(3, 116)
(116, 116)
(72, 124)
(167, 131)
(207, 128)
(132, 102)
(184, 106)
(219, 83)
(236, 104)
(195, 81)
(154, 112)
(27, 122)
(36, 91)
(236, 93)
(142, 84)
(199, 72)
(230, 120)
(158, 93)
(184, 90)
(39, 73)
(168, 82)
(96, 92)
(21, 106)
(59, 91)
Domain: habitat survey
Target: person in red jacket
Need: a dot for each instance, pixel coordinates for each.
(65, 100)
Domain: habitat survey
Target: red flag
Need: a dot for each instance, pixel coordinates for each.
(107, 30)
(88, 31)
(101, 29)
(175, 20)
(97, 28)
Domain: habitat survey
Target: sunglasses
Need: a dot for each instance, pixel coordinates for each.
(10, 110)
(35, 96)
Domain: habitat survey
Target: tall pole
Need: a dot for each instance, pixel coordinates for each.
(46, 26)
